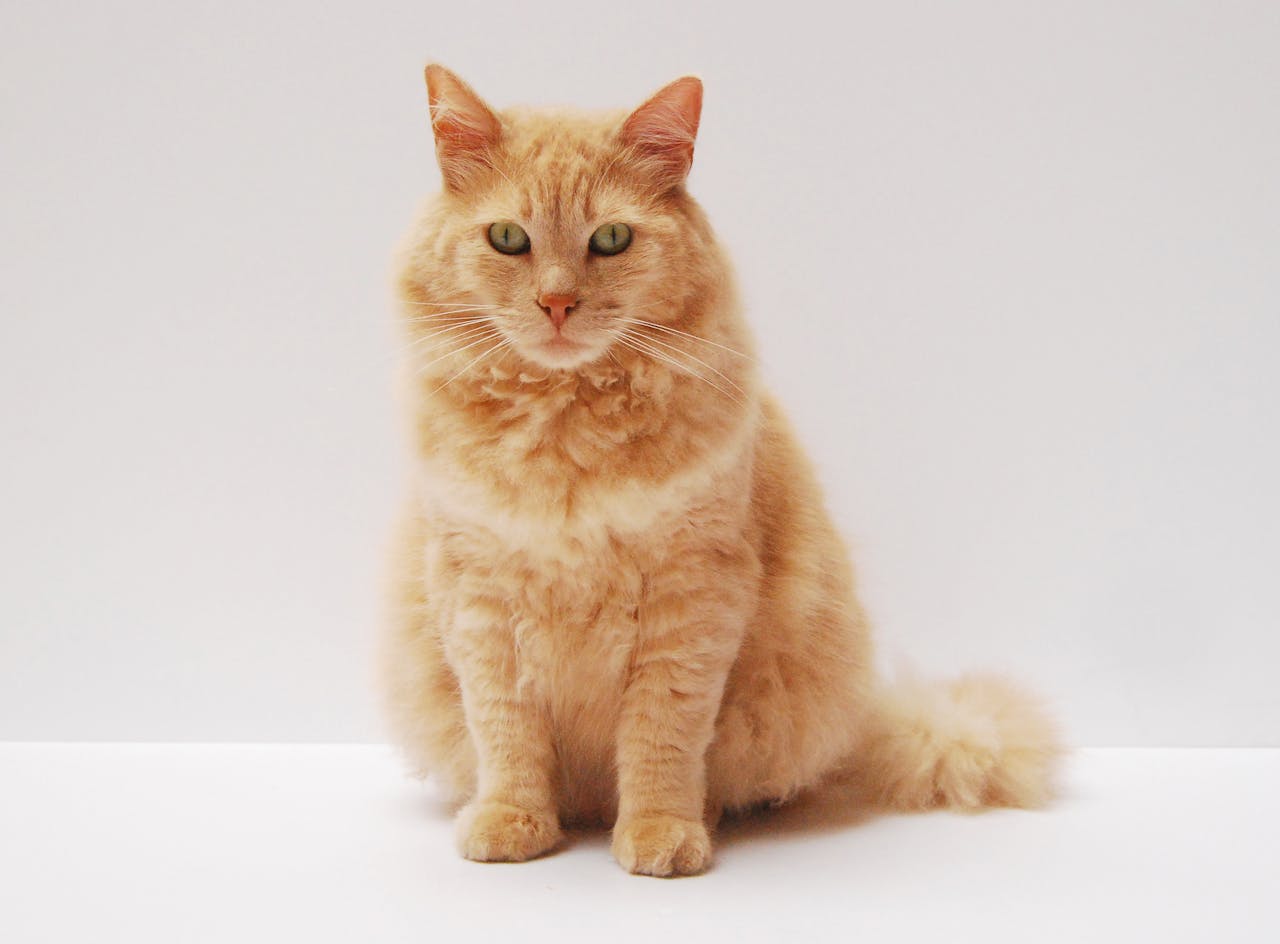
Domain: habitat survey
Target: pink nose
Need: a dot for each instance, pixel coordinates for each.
(557, 306)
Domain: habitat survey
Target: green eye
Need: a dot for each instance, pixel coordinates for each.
(611, 239)
(507, 237)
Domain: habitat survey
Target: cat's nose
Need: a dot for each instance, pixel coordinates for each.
(557, 306)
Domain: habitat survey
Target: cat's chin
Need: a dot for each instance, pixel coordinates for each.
(561, 353)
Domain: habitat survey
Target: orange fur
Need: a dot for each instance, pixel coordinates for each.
(620, 598)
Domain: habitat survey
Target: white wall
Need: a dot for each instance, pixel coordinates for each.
(1014, 272)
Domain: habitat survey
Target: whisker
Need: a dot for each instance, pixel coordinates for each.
(631, 342)
(430, 324)
(689, 369)
(457, 339)
(636, 344)
(429, 315)
(450, 325)
(678, 350)
(502, 344)
(445, 325)
(451, 304)
(685, 334)
(449, 329)
(487, 337)
(461, 306)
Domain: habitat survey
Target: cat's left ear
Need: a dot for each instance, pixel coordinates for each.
(466, 129)
(663, 129)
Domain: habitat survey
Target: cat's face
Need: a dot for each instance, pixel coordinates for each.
(561, 231)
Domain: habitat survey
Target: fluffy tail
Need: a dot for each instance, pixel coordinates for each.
(978, 741)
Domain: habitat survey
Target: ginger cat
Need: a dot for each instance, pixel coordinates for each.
(619, 597)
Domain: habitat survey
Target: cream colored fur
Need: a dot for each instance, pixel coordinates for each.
(620, 599)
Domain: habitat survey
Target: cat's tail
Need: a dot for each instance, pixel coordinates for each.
(974, 742)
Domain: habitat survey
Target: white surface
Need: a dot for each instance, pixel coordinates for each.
(194, 843)
(1013, 267)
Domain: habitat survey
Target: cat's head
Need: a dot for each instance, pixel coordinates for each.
(558, 233)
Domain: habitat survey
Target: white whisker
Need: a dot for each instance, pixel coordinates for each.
(432, 315)
(451, 304)
(636, 344)
(431, 324)
(483, 354)
(685, 334)
(679, 350)
(488, 336)
(434, 329)
(467, 335)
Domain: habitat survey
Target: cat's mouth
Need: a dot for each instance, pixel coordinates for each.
(561, 351)
(559, 342)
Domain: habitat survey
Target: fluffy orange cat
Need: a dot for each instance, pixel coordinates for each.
(620, 598)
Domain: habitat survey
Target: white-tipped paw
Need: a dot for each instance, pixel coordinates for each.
(662, 845)
(499, 832)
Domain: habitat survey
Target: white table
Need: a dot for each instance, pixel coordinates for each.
(315, 843)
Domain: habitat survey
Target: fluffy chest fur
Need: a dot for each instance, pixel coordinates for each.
(564, 473)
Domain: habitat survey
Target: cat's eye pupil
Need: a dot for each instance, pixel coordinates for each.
(508, 237)
(610, 239)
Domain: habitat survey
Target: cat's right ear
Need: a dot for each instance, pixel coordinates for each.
(662, 130)
(466, 129)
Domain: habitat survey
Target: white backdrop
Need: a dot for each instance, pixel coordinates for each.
(1014, 270)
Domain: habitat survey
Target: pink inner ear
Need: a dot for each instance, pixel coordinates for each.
(460, 119)
(667, 124)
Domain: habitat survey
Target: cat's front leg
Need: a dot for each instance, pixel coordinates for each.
(513, 815)
(689, 636)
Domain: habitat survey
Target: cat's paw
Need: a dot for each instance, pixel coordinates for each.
(662, 846)
(499, 832)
